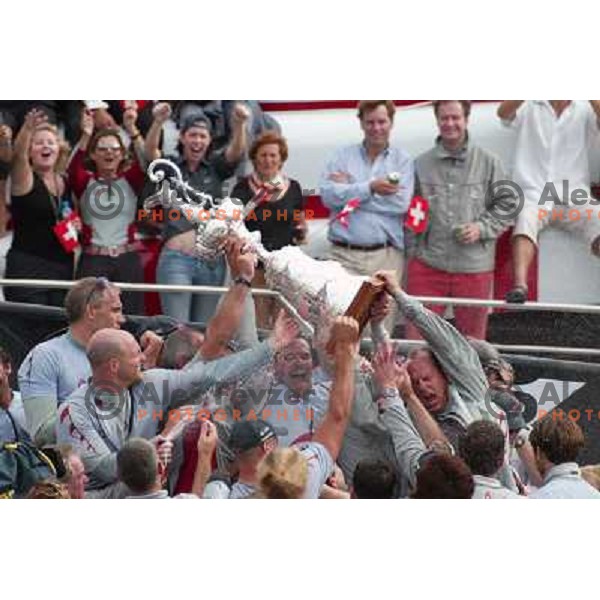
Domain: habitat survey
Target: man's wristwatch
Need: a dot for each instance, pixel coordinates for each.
(243, 281)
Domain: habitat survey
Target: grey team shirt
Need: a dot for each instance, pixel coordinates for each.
(50, 373)
(96, 427)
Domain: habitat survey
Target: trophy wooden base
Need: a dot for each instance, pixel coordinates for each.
(360, 307)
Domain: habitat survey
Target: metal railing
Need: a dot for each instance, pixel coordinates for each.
(308, 329)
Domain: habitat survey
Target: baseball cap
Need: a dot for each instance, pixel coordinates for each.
(196, 120)
(246, 435)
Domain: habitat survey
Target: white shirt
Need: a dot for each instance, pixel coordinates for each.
(565, 481)
(488, 488)
(551, 150)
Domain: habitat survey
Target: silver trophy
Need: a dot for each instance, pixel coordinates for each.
(319, 290)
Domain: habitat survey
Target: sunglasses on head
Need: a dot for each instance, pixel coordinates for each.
(100, 285)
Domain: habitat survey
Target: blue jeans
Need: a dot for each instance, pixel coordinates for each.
(176, 268)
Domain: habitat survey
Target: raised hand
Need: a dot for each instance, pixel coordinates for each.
(381, 308)
(344, 337)
(87, 123)
(34, 119)
(151, 344)
(130, 115)
(5, 135)
(390, 278)
(385, 368)
(241, 262)
(161, 112)
(285, 331)
(240, 114)
(207, 440)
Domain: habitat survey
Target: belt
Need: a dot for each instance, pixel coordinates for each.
(112, 251)
(359, 247)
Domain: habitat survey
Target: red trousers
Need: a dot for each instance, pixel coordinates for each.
(424, 280)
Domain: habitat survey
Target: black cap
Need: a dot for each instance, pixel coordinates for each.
(196, 120)
(246, 435)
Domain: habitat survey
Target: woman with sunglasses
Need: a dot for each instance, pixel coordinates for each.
(39, 204)
(107, 183)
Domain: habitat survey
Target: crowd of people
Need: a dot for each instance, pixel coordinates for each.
(212, 411)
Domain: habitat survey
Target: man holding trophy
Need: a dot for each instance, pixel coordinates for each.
(318, 292)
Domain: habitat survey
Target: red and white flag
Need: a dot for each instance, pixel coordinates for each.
(344, 214)
(417, 216)
(67, 232)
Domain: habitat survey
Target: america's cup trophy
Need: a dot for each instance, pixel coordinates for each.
(319, 290)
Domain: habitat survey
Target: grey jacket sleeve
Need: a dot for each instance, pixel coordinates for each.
(457, 358)
(408, 445)
(500, 201)
(200, 376)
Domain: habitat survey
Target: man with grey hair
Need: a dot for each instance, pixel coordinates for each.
(121, 401)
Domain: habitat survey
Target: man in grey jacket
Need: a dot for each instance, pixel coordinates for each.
(448, 381)
(121, 401)
(468, 210)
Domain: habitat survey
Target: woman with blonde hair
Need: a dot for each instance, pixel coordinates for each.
(39, 205)
(282, 475)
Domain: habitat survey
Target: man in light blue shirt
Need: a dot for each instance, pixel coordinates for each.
(557, 441)
(368, 188)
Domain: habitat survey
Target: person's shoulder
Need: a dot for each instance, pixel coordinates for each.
(427, 156)
(52, 349)
(313, 450)
(241, 490)
(483, 154)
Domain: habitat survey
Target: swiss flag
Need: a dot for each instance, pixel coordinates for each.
(67, 232)
(417, 216)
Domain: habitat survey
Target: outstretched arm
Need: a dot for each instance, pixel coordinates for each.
(200, 376)
(330, 432)
(21, 175)
(456, 356)
(161, 113)
(225, 324)
(207, 442)
(412, 435)
(239, 140)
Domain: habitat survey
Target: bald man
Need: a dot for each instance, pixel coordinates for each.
(122, 401)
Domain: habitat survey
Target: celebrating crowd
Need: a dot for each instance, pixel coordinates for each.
(211, 411)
